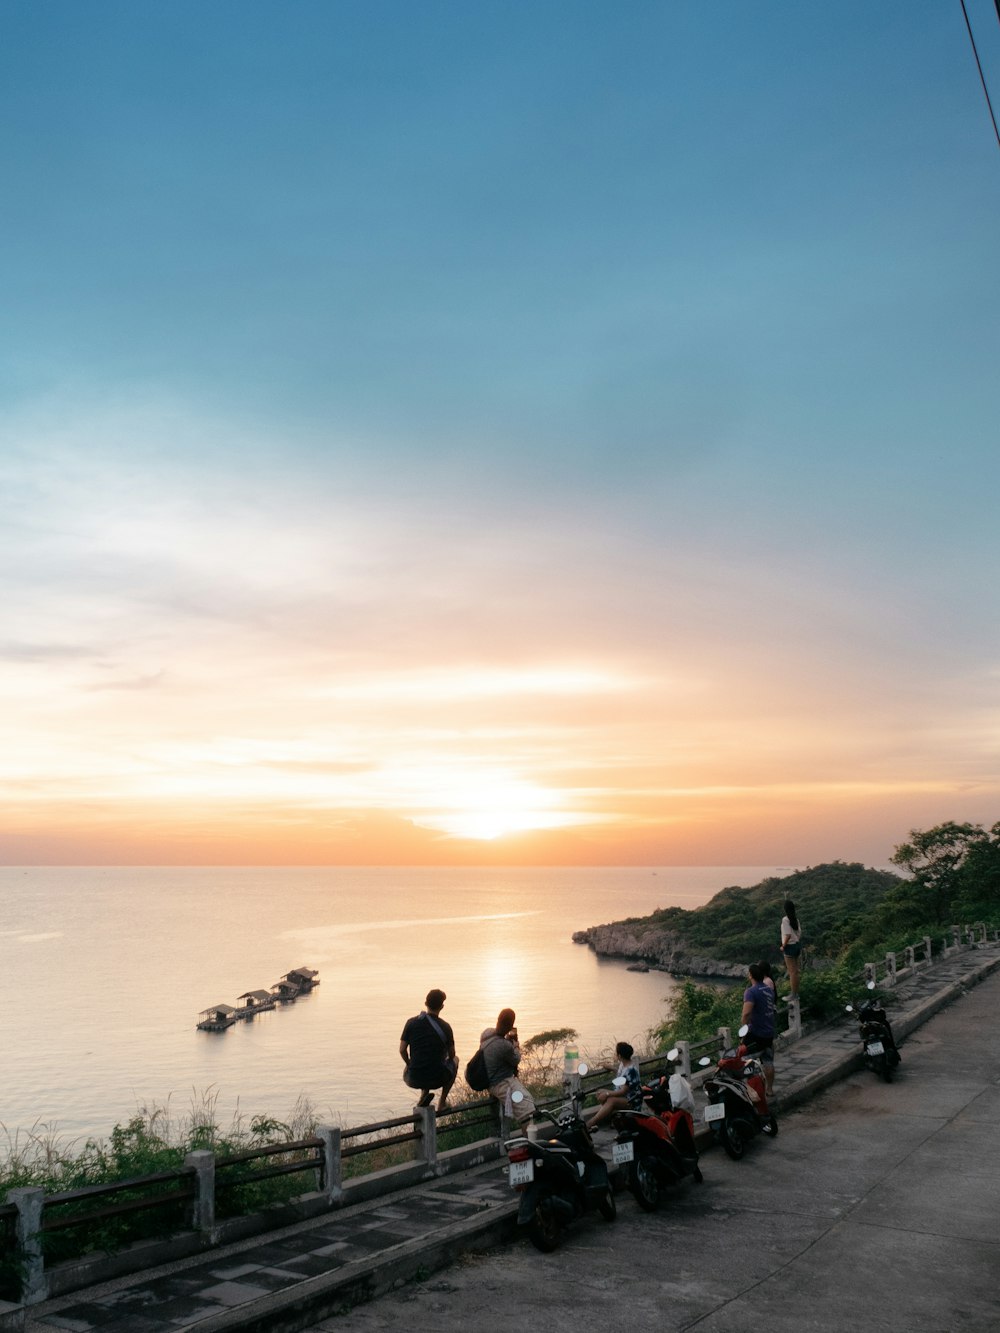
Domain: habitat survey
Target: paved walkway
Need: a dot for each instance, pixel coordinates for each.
(323, 1268)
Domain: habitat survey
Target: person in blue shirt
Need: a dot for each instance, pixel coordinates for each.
(758, 1014)
(627, 1095)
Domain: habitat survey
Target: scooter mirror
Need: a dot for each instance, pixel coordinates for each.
(849, 1008)
(618, 1082)
(583, 1069)
(871, 985)
(744, 1030)
(704, 1061)
(517, 1097)
(673, 1053)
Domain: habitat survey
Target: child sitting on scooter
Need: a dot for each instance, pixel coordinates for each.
(627, 1094)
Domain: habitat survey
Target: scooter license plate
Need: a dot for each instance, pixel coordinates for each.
(717, 1111)
(875, 1048)
(622, 1152)
(521, 1173)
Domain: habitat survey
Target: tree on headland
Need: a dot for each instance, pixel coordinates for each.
(953, 868)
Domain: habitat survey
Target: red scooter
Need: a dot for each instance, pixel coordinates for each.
(737, 1095)
(657, 1144)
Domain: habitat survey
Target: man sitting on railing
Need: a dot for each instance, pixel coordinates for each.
(428, 1050)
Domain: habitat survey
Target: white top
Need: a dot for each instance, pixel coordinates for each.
(681, 1096)
(793, 936)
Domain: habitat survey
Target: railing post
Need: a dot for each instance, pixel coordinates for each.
(909, 957)
(928, 950)
(956, 937)
(870, 973)
(794, 1017)
(684, 1057)
(571, 1086)
(890, 969)
(332, 1186)
(497, 1109)
(726, 1038)
(29, 1202)
(425, 1148)
(202, 1163)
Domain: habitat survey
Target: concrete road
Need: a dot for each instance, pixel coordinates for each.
(877, 1208)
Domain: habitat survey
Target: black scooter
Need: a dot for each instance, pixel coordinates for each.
(559, 1178)
(880, 1053)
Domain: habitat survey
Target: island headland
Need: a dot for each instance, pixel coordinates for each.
(741, 924)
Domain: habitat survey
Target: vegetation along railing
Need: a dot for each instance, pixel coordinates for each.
(45, 1238)
(48, 1241)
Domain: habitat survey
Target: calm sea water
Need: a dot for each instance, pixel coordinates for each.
(106, 970)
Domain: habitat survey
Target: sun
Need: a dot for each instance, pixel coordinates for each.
(485, 805)
(487, 825)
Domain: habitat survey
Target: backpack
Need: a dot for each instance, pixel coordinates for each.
(475, 1072)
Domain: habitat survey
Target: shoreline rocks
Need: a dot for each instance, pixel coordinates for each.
(659, 950)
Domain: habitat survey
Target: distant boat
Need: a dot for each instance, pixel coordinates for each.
(216, 1018)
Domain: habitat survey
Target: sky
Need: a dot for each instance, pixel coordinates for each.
(500, 433)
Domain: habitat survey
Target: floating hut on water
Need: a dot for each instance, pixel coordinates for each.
(303, 977)
(254, 1002)
(217, 1017)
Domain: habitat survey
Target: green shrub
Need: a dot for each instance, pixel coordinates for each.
(696, 1013)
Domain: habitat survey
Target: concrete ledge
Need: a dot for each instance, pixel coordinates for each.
(335, 1293)
(832, 1072)
(11, 1317)
(910, 1022)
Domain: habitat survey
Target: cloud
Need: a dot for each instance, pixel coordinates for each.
(317, 650)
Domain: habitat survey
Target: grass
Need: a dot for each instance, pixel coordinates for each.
(153, 1141)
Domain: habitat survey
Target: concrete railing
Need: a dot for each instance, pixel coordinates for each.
(31, 1215)
(889, 971)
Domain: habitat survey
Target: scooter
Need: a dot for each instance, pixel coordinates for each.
(880, 1051)
(559, 1178)
(737, 1094)
(657, 1144)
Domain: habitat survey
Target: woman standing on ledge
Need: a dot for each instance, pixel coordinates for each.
(791, 945)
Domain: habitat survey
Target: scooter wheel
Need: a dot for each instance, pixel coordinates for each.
(544, 1229)
(770, 1127)
(698, 1177)
(645, 1186)
(732, 1140)
(886, 1070)
(607, 1207)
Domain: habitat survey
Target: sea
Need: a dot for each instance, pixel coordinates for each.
(107, 969)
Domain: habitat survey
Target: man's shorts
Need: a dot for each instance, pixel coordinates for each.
(762, 1047)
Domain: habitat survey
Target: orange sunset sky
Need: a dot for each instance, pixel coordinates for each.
(548, 437)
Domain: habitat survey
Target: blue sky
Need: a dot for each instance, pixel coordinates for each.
(611, 388)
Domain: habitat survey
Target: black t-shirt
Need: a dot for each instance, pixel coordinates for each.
(427, 1050)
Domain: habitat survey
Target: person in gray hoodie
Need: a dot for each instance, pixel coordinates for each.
(503, 1055)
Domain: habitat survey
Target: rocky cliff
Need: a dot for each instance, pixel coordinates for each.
(661, 949)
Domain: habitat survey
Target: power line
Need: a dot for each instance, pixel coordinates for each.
(982, 77)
